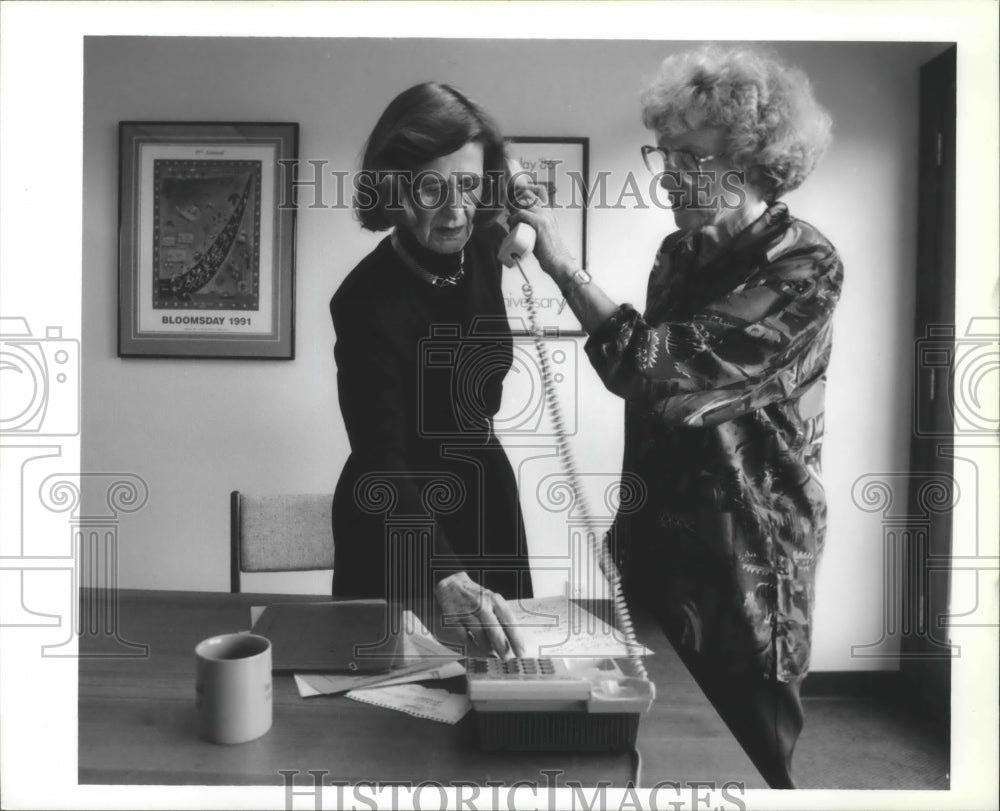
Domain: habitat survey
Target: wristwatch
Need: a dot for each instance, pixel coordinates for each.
(577, 279)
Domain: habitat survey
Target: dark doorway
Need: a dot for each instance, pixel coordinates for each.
(926, 656)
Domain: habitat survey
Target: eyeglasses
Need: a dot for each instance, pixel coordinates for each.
(658, 160)
(433, 190)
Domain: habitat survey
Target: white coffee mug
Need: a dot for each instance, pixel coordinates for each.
(233, 687)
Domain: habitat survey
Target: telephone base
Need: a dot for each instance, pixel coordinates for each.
(557, 731)
(556, 704)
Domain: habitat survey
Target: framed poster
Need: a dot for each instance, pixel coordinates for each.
(562, 165)
(206, 239)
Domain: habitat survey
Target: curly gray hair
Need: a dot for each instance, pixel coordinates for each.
(777, 131)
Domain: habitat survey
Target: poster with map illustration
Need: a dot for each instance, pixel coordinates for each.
(206, 255)
(206, 235)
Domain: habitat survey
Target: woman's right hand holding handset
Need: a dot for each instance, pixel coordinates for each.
(531, 206)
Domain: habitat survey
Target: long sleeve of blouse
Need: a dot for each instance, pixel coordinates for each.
(748, 345)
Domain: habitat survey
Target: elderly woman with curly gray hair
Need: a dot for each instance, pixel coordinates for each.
(723, 379)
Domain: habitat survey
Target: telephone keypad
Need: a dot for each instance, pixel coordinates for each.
(528, 668)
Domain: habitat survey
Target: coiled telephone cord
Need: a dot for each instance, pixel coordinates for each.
(598, 547)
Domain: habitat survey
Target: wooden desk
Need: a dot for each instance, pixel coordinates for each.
(137, 722)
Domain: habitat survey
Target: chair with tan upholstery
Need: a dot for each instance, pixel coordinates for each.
(279, 533)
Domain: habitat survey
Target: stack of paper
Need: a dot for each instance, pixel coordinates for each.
(556, 626)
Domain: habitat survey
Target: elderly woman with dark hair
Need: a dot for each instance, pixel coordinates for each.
(723, 377)
(426, 509)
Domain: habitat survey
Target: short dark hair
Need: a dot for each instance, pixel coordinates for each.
(422, 123)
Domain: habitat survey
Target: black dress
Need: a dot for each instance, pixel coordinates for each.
(427, 490)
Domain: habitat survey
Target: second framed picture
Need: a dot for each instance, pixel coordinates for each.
(206, 239)
(562, 166)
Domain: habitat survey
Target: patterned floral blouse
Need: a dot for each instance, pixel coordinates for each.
(723, 514)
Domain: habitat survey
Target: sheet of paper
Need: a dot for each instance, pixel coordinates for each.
(416, 700)
(327, 684)
(305, 689)
(554, 626)
(446, 671)
(417, 644)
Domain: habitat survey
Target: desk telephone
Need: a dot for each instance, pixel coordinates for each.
(569, 704)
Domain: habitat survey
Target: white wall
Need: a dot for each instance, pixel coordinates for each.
(196, 429)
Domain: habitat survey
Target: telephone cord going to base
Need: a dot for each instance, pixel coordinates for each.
(599, 548)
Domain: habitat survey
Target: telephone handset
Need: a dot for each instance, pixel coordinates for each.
(553, 703)
(519, 242)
